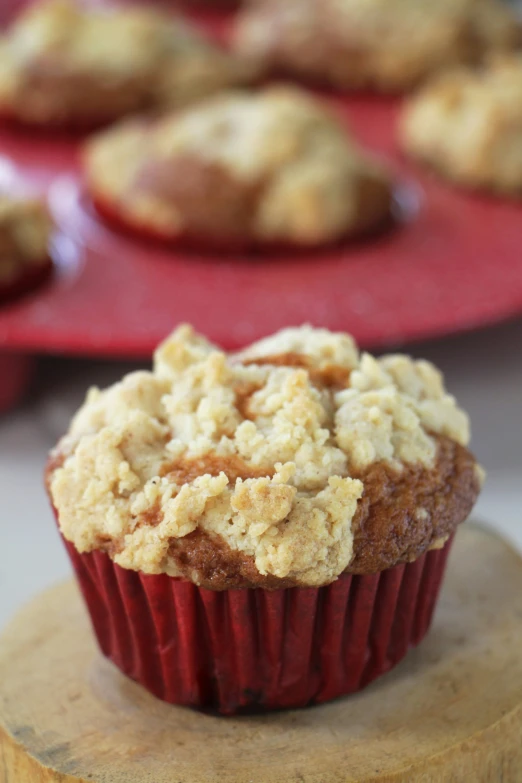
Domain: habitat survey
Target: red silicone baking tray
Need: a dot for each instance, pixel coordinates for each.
(453, 261)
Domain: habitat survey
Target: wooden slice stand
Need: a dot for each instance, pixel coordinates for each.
(451, 712)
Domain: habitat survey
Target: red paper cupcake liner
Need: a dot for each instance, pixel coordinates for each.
(114, 218)
(74, 128)
(255, 650)
(15, 374)
(30, 279)
(249, 650)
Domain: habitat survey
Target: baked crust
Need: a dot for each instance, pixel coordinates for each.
(258, 169)
(25, 231)
(402, 514)
(467, 125)
(386, 45)
(64, 65)
(245, 471)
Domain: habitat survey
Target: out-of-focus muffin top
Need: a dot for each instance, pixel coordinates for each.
(285, 464)
(62, 63)
(388, 45)
(275, 166)
(468, 126)
(25, 231)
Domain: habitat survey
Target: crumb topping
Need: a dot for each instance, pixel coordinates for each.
(387, 45)
(274, 166)
(468, 125)
(169, 454)
(25, 230)
(62, 60)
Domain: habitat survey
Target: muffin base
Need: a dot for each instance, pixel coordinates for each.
(109, 212)
(452, 711)
(242, 651)
(15, 373)
(27, 281)
(63, 127)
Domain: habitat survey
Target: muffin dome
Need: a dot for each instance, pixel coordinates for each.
(467, 125)
(387, 45)
(240, 169)
(63, 64)
(283, 465)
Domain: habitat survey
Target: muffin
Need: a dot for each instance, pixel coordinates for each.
(209, 5)
(264, 529)
(274, 167)
(25, 233)
(467, 126)
(385, 45)
(62, 64)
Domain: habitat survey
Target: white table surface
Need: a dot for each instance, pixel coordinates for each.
(484, 371)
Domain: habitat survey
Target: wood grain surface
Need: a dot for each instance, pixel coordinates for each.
(451, 712)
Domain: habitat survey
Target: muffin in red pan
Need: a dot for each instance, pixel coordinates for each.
(385, 45)
(266, 529)
(210, 5)
(25, 233)
(274, 167)
(15, 373)
(67, 65)
(467, 126)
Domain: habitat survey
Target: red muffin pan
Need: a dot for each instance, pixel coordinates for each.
(452, 261)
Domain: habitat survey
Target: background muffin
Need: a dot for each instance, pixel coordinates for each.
(295, 464)
(25, 234)
(387, 45)
(62, 63)
(467, 125)
(273, 167)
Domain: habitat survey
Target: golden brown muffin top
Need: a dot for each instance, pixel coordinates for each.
(25, 231)
(467, 124)
(388, 45)
(274, 166)
(285, 464)
(62, 61)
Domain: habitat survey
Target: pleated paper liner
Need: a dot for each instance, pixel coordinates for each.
(32, 278)
(114, 218)
(16, 368)
(257, 650)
